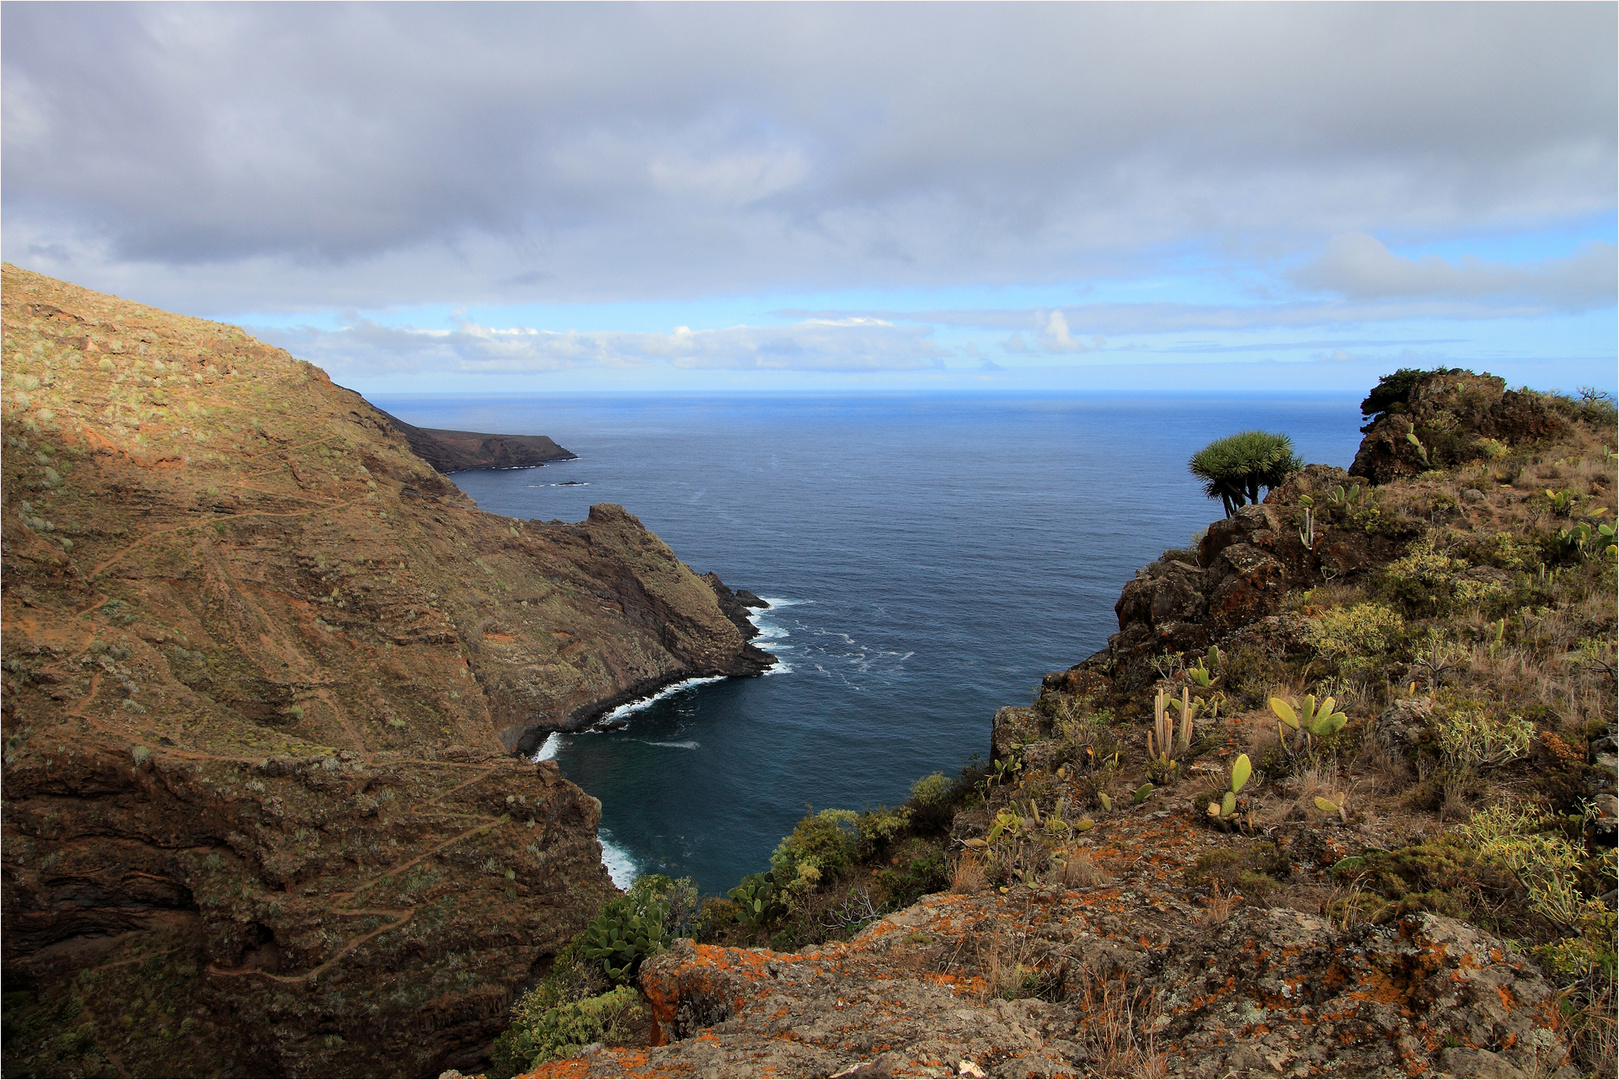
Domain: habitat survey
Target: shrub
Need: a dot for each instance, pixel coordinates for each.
(1356, 636)
(1234, 468)
(544, 1029)
(1391, 394)
(1471, 738)
(931, 789)
(878, 828)
(918, 869)
(1547, 863)
(820, 846)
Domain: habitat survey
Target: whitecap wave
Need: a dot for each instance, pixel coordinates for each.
(620, 867)
(668, 691)
(688, 745)
(772, 635)
(549, 748)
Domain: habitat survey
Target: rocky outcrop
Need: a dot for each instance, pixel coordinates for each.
(264, 671)
(1243, 568)
(736, 604)
(1122, 977)
(457, 451)
(1452, 414)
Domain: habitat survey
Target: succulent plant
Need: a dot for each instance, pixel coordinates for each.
(622, 936)
(1224, 812)
(1308, 721)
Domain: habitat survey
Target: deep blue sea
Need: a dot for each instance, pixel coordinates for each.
(928, 558)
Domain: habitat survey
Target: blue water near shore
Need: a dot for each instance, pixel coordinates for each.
(928, 558)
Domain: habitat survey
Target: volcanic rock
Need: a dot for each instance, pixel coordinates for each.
(264, 669)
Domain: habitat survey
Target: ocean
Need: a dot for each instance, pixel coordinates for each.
(927, 559)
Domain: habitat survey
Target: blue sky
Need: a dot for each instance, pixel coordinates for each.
(426, 199)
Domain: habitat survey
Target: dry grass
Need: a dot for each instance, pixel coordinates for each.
(1117, 1020)
(1218, 908)
(968, 877)
(1078, 871)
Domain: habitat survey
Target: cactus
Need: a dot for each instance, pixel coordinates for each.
(1140, 794)
(621, 937)
(1224, 812)
(1411, 437)
(1200, 675)
(1336, 805)
(1309, 722)
(1172, 742)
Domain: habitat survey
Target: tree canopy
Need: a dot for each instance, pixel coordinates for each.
(1234, 468)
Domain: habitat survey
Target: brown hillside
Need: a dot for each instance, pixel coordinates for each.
(264, 669)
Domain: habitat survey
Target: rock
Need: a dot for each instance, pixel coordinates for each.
(259, 719)
(1132, 986)
(456, 451)
(1400, 725)
(1451, 413)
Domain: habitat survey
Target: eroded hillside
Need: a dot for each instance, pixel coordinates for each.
(264, 669)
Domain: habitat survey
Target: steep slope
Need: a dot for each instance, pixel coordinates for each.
(264, 669)
(1424, 885)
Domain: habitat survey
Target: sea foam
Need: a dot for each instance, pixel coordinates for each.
(668, 691)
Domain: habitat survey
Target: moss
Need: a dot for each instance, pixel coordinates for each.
(1448, 878)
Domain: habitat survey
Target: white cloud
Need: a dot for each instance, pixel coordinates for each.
(817, 345)
(1361, 267)
(385, 154)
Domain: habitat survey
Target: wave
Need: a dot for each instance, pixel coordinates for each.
(549, 748)
(772, 635)
(668, 691)
(688, 745)
(620, 867)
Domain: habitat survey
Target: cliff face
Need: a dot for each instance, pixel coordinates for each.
(263, 671)
(453, 451)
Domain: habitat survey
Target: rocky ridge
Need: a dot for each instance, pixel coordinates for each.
(264, 672)
(1100, 925)
(456, 451)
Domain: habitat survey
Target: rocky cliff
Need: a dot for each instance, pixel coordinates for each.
(264, 669)
(455, 451)
(1423, 885)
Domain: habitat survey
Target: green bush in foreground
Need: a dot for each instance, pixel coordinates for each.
(543, 1029)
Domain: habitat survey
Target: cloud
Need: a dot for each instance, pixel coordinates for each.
(1055, 329)
(849, 346)
(1360, 267)
(209, 156)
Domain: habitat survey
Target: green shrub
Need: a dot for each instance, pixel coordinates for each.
(931, 789)
(878, 828)
(1472, 737)
(1357, 636)
(544, 1029)
(821, 846)
(916, 870)
(1234, 468)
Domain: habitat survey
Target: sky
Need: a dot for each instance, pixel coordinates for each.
(1052, 197)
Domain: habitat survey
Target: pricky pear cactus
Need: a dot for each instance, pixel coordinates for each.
(1308, 722)
(621, 937)
(1224, 813)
